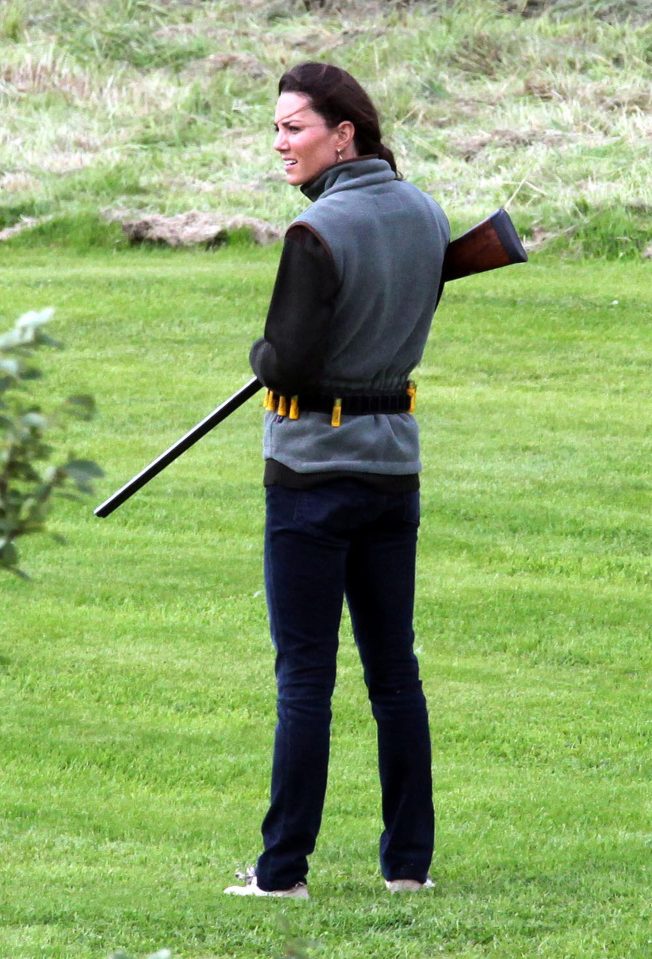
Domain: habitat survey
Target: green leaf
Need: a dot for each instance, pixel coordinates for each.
(33, 319)
(27, 331)
(35, 420)
(82, 405)
(88, 468)
(19, 469)
(10, 366)
(9, 341)
(83, 472)
(30, 373)
(8, 553)
(44, 340)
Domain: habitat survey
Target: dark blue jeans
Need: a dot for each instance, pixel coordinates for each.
(344, 539)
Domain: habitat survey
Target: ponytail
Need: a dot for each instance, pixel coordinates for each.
(385, 153)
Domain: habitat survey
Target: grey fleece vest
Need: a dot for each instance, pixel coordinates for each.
(387, 240)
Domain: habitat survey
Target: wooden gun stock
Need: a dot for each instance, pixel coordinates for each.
(490, 244)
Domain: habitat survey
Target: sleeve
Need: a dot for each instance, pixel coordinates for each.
(290, 356)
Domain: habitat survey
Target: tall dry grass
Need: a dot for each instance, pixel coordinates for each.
(166, 106)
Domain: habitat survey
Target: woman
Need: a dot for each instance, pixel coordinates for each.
(357, 286)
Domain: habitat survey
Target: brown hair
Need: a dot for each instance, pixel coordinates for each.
(337, 96)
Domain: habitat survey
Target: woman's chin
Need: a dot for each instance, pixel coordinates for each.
(293, 177)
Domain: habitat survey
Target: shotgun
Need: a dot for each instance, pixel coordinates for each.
(491, 244)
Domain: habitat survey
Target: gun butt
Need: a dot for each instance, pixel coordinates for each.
(487, 246)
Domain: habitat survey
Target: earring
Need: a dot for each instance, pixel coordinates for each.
(339, 155)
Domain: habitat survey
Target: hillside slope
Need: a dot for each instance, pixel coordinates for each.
(167, 106)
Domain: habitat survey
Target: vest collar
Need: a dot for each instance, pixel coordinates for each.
(361, 171)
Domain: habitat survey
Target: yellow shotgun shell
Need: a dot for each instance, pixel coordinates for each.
(336, 415)
(412, 393)
(294, 408)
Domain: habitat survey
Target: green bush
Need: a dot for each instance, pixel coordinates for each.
(27, 484)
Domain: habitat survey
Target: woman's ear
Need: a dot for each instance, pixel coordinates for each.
(345, 135)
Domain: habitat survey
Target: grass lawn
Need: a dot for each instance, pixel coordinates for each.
(137, 702)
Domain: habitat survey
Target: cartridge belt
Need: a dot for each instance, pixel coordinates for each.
(358, 404)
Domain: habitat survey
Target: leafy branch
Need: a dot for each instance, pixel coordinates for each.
(28, 481)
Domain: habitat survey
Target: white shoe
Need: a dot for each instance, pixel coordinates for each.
(250, 888)
(408, 885)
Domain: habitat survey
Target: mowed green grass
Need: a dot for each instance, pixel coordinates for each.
(137, 702)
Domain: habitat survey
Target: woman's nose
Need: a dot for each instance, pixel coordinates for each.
(279, 141)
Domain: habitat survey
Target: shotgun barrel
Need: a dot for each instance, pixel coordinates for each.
(189, 439)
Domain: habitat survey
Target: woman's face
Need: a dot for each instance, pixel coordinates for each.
(307, 146)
